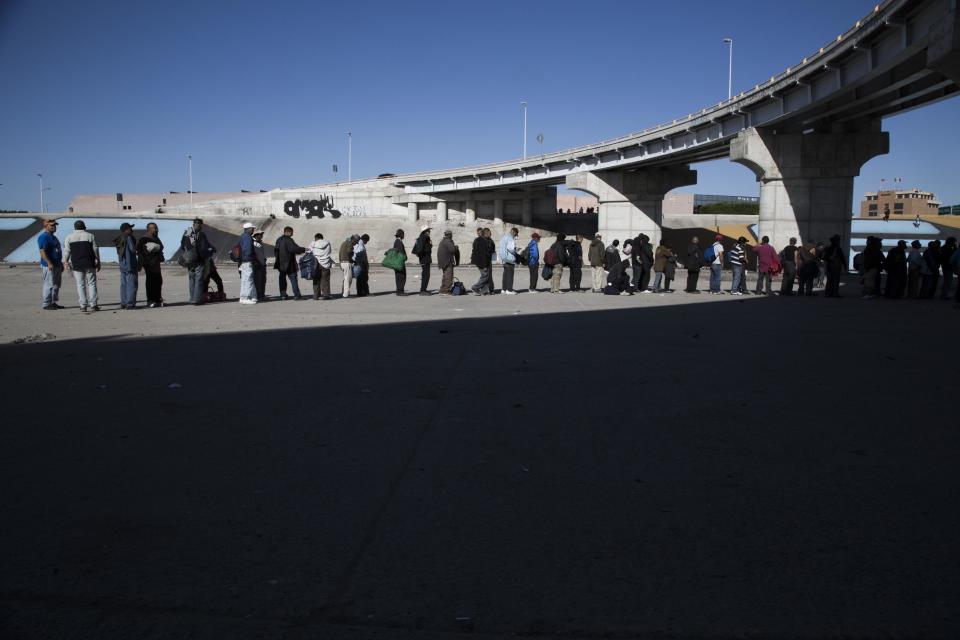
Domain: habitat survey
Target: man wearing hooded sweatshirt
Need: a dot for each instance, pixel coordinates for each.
(643, 259)
(692, 264)
(533, 260)
(595, 256)
(508, 256)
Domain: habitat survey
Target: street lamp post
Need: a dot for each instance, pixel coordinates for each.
(349, 156)
(40, 175)
(729, 41)
(190, 178)
(540, 140)
(524, 105)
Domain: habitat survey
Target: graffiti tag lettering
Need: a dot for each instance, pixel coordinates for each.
(310, 208)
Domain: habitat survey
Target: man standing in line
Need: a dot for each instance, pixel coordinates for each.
(248, 257)
(129, 266)
(400, 276)
(533, 260)
(766, 255)
(737, 256)
(345, 258)
(259, 266)
(480, 257)
(194, 243)
(362, 262)
(788, 258)
(716, 265)
(643, 257)
(692, 264)
(286, 250)
(575, 256)
(835, 262)
(150, 253)
(51, 265)
(448, 256)
(946, 256)
(559, 251)
(508, 256)
(611, 255)
(323, 252)
(423, 249)
(82, 256)
(595, 256)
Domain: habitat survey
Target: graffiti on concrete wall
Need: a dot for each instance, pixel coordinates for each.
(315, 208)
(354, 210)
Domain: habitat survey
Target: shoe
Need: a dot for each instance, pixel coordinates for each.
(648, 291)
(510, 293)
(83, 309)
(474, 292)
(444, 295)
(57, 306)
(735, 293)
(532, 291)
(327, 298)
(694, 291)
(94, 308)
(624, 293)
(49, 307)
(284, 296)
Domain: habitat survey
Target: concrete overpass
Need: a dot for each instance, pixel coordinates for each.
(805, 133)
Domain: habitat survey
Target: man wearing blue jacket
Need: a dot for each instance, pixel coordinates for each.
(533, 260)
(248, 293)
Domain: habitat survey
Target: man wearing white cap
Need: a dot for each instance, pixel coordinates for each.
(423, 249)
(248, 294)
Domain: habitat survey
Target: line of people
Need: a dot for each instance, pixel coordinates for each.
(616, 269)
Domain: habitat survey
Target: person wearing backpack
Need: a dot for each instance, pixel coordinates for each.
(714, 256)
(286, 250)
(692, 264)
(508, 256)
(554, 258)
(423, 249)
(248, 291)
(595, 255)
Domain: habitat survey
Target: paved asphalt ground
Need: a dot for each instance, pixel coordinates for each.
(573, 466)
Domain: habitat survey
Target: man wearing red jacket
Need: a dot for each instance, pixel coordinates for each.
(766, 259)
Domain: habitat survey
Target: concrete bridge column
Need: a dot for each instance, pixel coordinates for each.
(471, 212)
(413, 211)
(442, 215)
(806, 180)
(631, 203)
(526, 218)
(498, 211)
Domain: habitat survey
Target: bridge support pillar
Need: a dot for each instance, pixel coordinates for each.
(471, 212)
(413, 211)
(806, 180)
(498, 211)
(526, 218)
(442, 215)
(631, 203)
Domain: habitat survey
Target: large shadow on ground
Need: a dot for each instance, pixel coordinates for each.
(762, 468)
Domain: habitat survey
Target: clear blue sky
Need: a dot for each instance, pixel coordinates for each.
(111, 96)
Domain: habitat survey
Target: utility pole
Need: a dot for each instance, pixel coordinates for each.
(190, 173)
(40, 175)
(524, 105)
(729, 41)
(349, 156)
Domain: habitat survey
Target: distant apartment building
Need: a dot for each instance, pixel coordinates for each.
(899, 203)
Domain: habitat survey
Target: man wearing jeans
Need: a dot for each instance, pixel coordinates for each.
(82, 257)
(195, 241)
(508, 256)
(248, 293)
(716, 267)
(51, 265)
(766, 256)
(737, 258)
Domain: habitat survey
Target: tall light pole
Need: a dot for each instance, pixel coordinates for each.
(190, 178)
(540, 140)
(40, 175)
(524, 105)
(349, 156)
(729, 41)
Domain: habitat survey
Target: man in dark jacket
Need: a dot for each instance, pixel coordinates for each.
(194, 245)
(400, 277)
(423, 249)
(642, 262)
(946, 256)
(448, 256)
(82, 257)
(896, 267)
(836, 263)
(481, 257)
(286, 250)
(692, 264)
(595, 256)
(618, 280)
(345, 258)
(574, 249)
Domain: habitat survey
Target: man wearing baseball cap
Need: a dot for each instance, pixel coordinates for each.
(51, 264)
